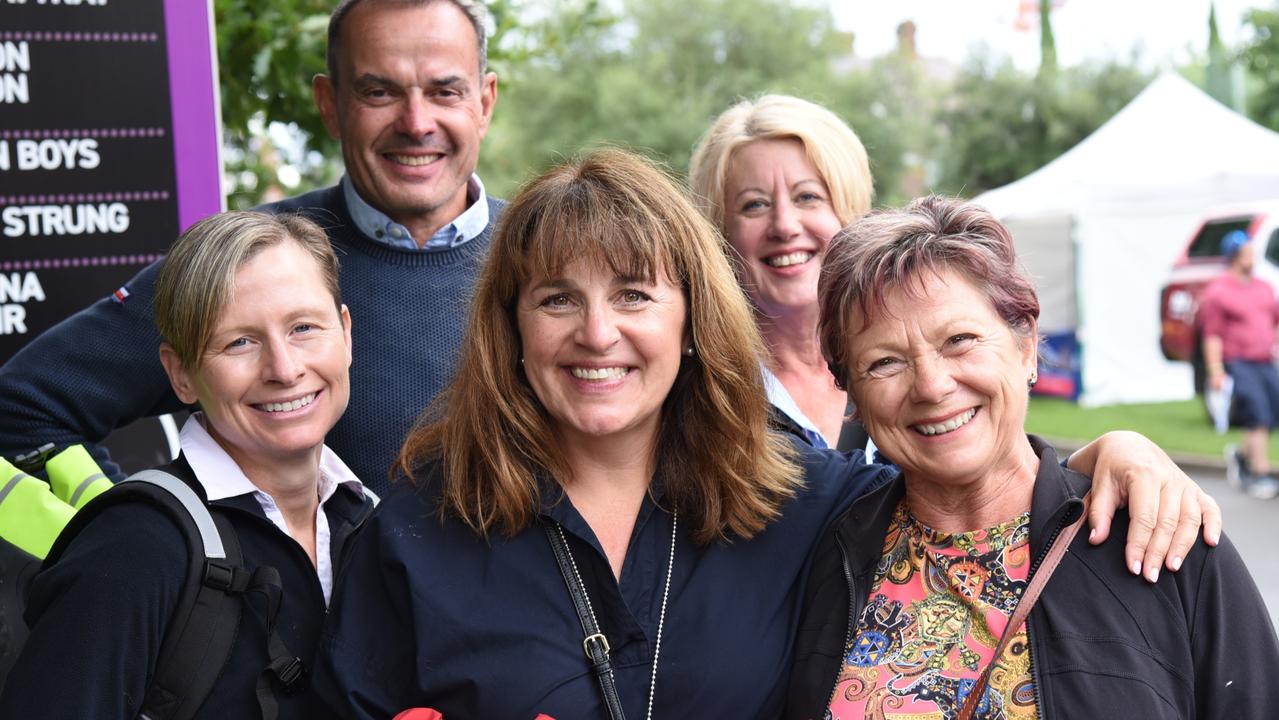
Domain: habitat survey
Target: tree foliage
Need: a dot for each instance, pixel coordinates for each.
(650, 75)
(1002, 124)
(1261, 58)
(651, 78)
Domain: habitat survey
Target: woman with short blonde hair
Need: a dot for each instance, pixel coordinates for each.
(258, 342)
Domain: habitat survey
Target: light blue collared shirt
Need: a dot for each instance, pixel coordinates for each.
(377, 226)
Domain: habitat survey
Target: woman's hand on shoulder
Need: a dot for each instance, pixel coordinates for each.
(1166, 508)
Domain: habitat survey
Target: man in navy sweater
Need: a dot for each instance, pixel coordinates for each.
(408, 96)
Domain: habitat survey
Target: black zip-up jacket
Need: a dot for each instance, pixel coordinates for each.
(1104, 643)
(99, 614)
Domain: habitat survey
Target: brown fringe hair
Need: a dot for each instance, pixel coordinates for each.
(722, 468)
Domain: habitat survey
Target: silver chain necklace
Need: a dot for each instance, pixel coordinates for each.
(661, 618)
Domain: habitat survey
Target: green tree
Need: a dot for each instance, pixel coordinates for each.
(652, 77)
(267, 55)
(1002, 124)
(1218, 82)
(1261, 58)
(1047, 42)
(649, 75)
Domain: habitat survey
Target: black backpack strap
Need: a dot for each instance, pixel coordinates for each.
(203, 628)
(202, 631)
(190, 667)
(284, 670)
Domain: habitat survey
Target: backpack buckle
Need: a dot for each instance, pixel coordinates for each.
(287, 671)
(219, 576)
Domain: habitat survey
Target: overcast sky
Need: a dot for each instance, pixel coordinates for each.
(1164, 31)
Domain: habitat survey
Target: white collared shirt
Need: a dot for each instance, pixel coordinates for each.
(782, 400)
(222, 478)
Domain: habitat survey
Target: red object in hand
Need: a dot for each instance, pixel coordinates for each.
(432, 714)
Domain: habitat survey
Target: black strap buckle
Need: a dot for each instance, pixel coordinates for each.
(33, 462)
(219, 576)
(287, 671)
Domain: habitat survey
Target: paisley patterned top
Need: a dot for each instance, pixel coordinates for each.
(937, 607)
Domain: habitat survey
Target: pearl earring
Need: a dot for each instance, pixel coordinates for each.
(688, 351)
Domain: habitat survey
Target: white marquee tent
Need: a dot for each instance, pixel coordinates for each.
(1100, 227)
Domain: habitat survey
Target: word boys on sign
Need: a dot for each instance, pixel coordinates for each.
(108, 148)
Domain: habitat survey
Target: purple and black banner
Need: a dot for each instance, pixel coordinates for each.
(108, 148)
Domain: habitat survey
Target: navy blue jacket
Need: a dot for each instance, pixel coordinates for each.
(100, 368)
(98, 615)
(428, 614)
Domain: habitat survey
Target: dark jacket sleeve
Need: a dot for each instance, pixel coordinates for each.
(365, 666)
(97, 618)
(86, 376)
(1233, 642)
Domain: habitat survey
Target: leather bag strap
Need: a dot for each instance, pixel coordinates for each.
(1055, 554)
(595, 645)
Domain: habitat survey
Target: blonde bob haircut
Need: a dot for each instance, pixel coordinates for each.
(831, 146)
(197, 279)
(496, 445)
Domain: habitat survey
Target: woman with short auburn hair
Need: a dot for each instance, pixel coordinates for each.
(915, 600)
(606, 432)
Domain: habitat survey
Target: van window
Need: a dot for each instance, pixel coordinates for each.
(1272, 248)
(1208, 242)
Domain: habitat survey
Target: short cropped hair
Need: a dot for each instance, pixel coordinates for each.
(893, 249)
(474, 11)
(722, 469)
(831, 146)
(197, 279)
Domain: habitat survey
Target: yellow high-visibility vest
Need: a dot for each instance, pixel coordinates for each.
(30, 515)
(75, 477)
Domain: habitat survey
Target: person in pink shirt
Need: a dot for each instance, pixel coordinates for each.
(1238, 316)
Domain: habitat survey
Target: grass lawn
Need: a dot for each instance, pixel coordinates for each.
(1177, 427)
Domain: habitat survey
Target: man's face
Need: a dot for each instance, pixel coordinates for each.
(410, 108)
(1244, 258)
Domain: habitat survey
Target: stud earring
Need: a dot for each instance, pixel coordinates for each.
(1030, 384)
(688, 351)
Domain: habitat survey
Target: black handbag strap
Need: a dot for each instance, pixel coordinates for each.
(595, 645)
